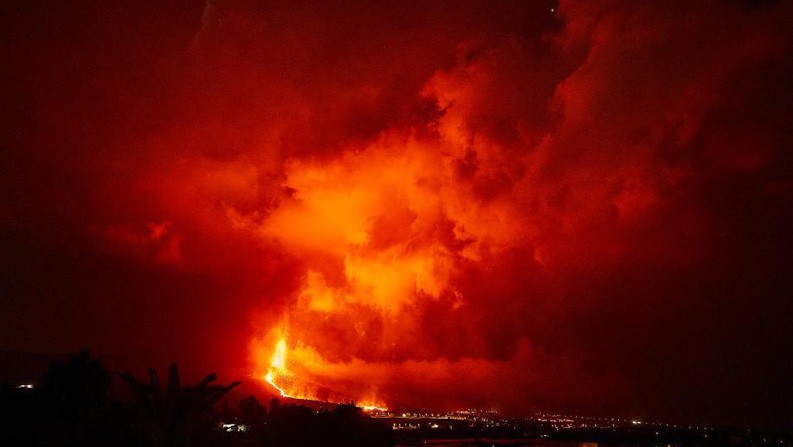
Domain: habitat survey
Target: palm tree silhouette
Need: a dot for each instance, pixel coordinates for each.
(174, 414)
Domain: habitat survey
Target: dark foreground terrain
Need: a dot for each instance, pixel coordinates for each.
(77, 402)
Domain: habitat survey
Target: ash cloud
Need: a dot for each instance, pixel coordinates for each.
(451, 203)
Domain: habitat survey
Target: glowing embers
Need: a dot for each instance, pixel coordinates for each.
(288, 385)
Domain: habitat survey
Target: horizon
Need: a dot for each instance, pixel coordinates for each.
(266, 393)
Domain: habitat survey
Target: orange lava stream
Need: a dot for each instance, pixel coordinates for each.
(278, 370)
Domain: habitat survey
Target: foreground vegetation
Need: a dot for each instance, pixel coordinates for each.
(74, 404)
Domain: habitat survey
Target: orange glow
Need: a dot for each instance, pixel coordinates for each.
(269, 379)
(382, 233)
(290, 386)
(279, 357)
(277, 366)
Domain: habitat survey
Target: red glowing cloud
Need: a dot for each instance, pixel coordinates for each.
(438, 205)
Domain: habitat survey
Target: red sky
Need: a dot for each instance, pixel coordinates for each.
(436, 204)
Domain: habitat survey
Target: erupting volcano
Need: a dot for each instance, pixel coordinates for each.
(278, 367)
(279, 376)
(513, 205)
(386, 233)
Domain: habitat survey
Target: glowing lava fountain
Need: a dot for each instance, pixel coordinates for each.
(287, 385)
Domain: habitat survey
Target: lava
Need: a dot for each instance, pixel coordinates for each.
(277, 366)
(292, 387)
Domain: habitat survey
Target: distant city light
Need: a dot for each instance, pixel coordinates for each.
(232, 427)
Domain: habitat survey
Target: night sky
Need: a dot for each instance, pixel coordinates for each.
(584, 207)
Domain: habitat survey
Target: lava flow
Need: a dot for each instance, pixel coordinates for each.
(280, 378)
(277, 366)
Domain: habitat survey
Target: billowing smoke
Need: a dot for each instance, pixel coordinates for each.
(581, 206)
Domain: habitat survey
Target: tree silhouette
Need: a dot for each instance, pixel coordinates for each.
(72, 405)
(70, 400)
(75, 387)
(173, 415)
